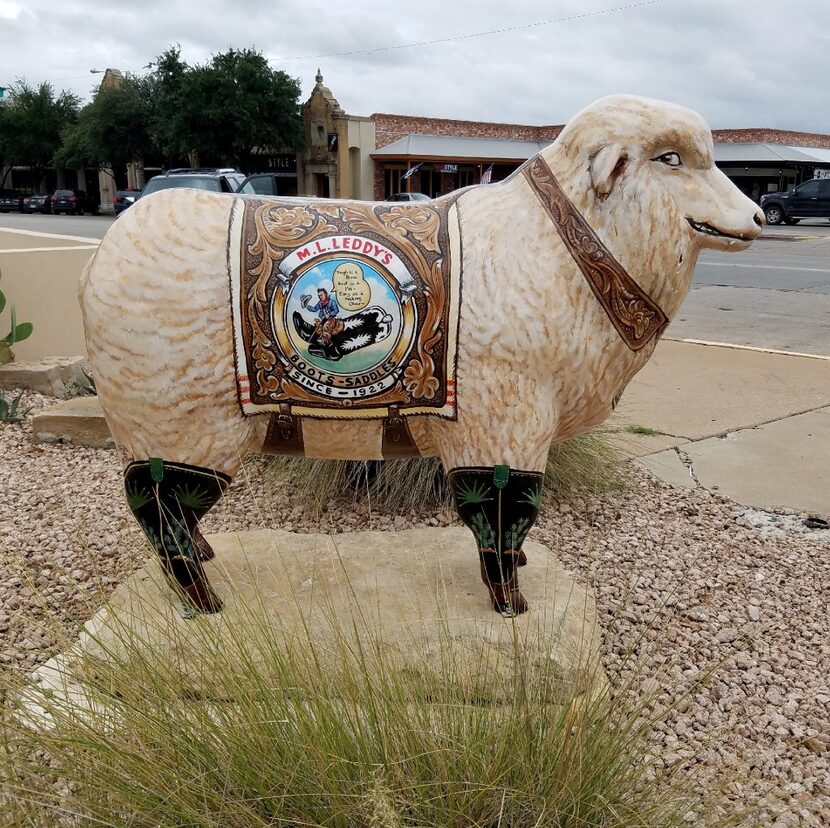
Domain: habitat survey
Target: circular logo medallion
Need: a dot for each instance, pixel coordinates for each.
(346, 321)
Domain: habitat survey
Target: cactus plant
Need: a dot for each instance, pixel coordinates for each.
(10, 411)
(18, 332)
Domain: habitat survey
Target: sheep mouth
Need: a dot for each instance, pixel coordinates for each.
(709, 230)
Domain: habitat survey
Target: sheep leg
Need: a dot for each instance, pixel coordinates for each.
(499, 505)
(167, 500)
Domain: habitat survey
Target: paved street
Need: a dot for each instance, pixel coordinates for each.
(775, 295)
(92, 227)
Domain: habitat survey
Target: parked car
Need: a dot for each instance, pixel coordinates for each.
(74, 201)
(222, 180)
(262, 184)
(409, 197)
(37, 204)
(11, 201)
(808, 200)
(124, 199)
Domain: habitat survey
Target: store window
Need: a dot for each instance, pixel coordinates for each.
(392, 182)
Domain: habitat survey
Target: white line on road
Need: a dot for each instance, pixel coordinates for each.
(746, 348)
(48, 249)
(50, 235)
(767, 267)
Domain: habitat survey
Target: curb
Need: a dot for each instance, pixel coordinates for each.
(710, 344)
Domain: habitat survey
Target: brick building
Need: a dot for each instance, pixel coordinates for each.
(369, 157)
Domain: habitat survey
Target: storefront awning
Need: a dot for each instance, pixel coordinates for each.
(453, 148)
(417, 147)
(770, 154)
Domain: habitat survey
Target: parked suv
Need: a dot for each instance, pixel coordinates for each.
(74, 201)
(123, 199)
(223, 180)
(266, 184)
(409, 197)
(808, 200)
(11, 201)
(37, 204)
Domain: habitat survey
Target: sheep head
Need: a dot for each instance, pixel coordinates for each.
(649, 164)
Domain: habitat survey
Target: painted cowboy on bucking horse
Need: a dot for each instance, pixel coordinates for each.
(327, 324)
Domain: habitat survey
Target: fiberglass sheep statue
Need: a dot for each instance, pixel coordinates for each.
(479, 327)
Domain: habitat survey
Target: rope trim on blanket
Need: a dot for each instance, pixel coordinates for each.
(636, 317)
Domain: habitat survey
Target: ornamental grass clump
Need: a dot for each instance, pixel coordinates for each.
(329, 730)
(589, 464)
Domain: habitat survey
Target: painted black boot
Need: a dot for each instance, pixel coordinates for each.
(499, 505)
(168, 499)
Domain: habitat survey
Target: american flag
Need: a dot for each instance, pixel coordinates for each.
(487, 175)
(411, 171)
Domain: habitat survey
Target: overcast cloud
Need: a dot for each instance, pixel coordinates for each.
(741, 63)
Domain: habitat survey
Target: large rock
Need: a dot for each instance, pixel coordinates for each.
(409, 592)
(79, 421)
(61, 377)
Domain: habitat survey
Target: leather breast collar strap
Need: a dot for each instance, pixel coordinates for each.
(637, 318)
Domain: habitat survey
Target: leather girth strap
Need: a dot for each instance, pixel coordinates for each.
(285, 434)
(637, 318)
(397, 439)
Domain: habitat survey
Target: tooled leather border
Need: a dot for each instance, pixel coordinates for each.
(426, 366)
(637, 318)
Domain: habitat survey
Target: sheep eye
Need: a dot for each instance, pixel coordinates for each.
(671, 159)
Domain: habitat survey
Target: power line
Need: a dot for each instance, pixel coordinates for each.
(567, 19)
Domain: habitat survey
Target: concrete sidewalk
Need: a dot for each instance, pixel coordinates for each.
(752, 424)
(40, 275)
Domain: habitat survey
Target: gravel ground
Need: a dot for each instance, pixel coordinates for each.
(684, 580)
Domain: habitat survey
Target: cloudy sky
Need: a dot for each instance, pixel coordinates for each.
(741, 63)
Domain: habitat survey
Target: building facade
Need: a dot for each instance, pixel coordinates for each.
(374, 157)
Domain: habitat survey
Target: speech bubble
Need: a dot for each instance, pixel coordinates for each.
(350, 285)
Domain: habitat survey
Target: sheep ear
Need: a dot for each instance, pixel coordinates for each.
(606, 167)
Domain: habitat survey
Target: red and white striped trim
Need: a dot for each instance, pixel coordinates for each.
(244, 389)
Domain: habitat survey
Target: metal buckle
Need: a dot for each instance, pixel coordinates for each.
(285, 425)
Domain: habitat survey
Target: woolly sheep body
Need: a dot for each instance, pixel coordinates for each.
(538, 358)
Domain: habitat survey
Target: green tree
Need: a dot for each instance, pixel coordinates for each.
(34, 122)
(111, 131)
(4, 139)
(237, 103)
(162, 91)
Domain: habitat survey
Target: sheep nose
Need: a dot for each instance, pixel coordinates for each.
(758, 218)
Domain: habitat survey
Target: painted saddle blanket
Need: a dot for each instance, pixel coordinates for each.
(345, 309)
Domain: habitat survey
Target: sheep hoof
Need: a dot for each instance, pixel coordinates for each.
(200, 600)
(521, 558)
(513, 606)
(505, 596)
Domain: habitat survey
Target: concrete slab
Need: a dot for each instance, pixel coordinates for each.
(79, 421)
(699, 391)
(44, 288)
(407, 592)
(631, 445)
(61, 377)
(785, 463)
(668, 466)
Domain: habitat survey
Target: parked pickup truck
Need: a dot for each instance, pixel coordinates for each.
(808, 200)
